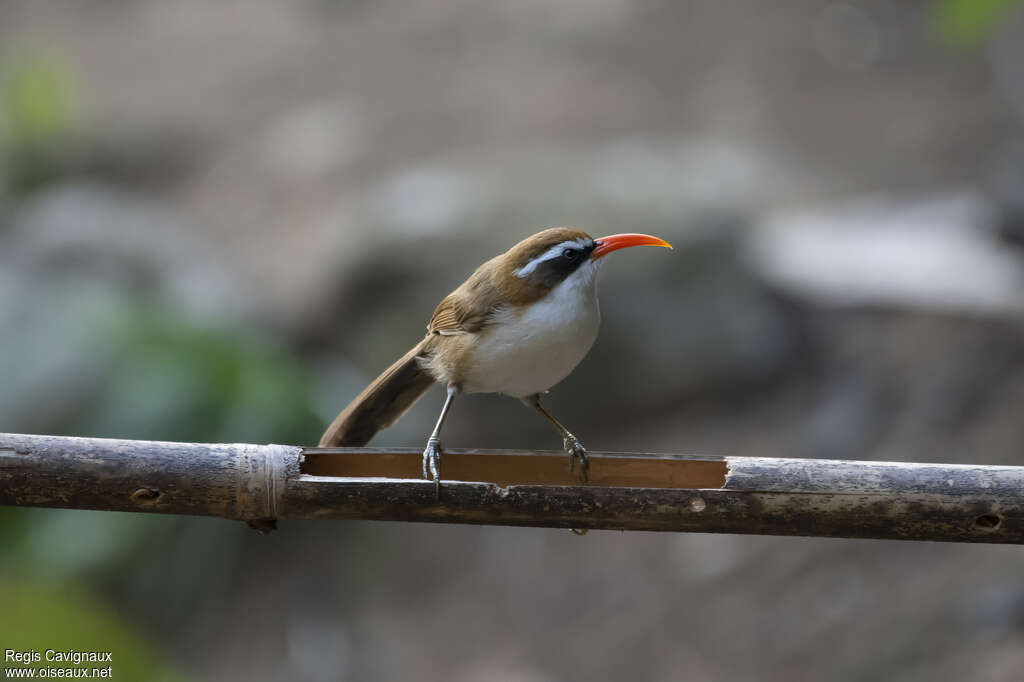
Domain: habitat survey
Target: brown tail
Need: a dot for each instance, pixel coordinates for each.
(381, 403)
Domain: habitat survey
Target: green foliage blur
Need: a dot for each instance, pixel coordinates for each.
(37, 114)
(176, 379)
(966, 23)
(153, 370)
(169, 377)
(37, 616)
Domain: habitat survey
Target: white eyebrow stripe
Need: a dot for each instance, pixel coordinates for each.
(553, 252)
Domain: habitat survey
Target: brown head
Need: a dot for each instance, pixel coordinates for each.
(541, 262)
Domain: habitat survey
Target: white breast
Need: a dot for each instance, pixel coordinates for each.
(529, 350)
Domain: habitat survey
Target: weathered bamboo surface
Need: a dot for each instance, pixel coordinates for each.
(770, 496)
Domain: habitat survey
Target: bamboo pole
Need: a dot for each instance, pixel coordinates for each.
(755, 495)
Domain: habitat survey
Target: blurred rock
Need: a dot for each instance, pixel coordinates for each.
(312, 141)
(940, 252)
(98, 233)
(675, 324)
(847, 36)
(1007, 188)
(848, 414)
(1005, 51)
(422, 231)
(119, 324)
(996, 609)
(689, 322)
(426, 202)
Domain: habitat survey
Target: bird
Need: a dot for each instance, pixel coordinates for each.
(517, 326)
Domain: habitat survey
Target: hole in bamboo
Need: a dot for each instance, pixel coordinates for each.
(988, 521)
(145, 496)
(506, 468)
(697, 504)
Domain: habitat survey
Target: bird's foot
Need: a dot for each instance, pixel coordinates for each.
(577, 453)
(432, 464)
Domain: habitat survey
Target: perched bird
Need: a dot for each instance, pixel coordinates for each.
(517, 326)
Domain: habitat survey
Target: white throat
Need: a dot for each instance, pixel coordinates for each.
(528, 350)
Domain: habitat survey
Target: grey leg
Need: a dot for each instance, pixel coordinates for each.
(432, 453)
(570, 443)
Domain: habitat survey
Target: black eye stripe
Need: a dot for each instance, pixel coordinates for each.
(555, 268)
(571, 253)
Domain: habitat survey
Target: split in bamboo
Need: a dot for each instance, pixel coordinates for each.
(754, 495)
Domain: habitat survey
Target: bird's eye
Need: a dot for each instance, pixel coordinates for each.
(570, 254)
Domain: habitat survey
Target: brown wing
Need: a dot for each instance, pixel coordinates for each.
(469, 308)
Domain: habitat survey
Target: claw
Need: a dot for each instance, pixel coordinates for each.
(432, 464)
(576, 452)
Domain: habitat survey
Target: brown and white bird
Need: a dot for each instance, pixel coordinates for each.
(517, 326)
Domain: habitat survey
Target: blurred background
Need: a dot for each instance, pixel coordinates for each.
(219, 221)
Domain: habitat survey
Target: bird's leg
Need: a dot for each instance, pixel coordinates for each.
(570, 443)
(432, 453)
